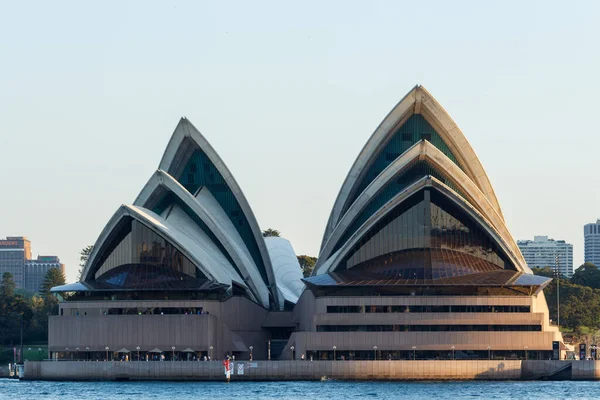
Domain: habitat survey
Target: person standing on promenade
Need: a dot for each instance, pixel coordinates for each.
(227, 365)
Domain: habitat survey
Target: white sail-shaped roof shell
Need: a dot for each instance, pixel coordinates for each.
(181, 234)
(218, 234)
(187, 139)
(331, 263)
(424, 150)
(288, 273)
(207, 209)
(417, 101)
(465, 172)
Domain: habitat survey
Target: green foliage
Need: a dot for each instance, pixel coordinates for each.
(579, 305)
(54, 277)
(587, 275)
(84, 254)
(579, 298)
(271, 233)
(546, 271)
(15, 307)
(307, 263)
(7, 286)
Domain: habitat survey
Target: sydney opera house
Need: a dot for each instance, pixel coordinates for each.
(416, 262)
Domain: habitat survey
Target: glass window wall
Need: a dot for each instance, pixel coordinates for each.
(426, 237)
(138, 255)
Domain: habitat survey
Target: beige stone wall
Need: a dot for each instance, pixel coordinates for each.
(304, 311)
(237, 319)
(585, 369)
(238, 313)
(310, 341)
(147, 331)
(275, 370)
(307, 370)
(311, 311)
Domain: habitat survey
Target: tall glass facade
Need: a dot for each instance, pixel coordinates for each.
(415, 128)
(401, 181)
(138, 255)
(426, 237)
(169, 201)
(199, 171)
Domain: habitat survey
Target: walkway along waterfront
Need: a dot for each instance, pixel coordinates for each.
(315, 370)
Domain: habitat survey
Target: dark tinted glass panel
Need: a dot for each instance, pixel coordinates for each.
(416, 171)
(429, 328)
(426, 237)
(170, 200)
(429, 265)
(407, 135)
(210, 177)
(452, 229)
(426, 309)
(148, 277)
(138, 255)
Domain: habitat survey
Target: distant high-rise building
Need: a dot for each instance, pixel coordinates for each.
(15, 257)
(14, 252)
(542, 252)
(591, 235)
(36, 270)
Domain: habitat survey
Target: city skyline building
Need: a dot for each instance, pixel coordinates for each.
(591, 237)
(36, 270)
(28, 273)
(14, 252)
(543, 252)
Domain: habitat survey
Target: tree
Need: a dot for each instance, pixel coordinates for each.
(307, 263)
(271, 233)
(548, 272)
(7, 287)
(587, 275)
(54, 277)
(84, 254)
(579, 305)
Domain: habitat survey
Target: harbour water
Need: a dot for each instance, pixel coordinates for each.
(329, 390)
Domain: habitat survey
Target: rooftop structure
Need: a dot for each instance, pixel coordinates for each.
(14, 252)
(591, 234)
(543, 252)
(28, 274)
(36, 270)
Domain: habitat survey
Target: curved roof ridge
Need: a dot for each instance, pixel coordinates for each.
(180, 240)
(435, 113)
(398, 113)
(426, 181)
(422, 151)
(416, 101)
(172, 162)
(228, 237)
(287, 268)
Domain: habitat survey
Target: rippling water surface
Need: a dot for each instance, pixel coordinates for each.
(330, 390)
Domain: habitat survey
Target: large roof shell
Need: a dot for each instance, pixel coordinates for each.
(185, 140)
(381, 162)
(417, 101)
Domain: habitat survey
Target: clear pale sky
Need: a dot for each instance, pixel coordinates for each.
(288, 93)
